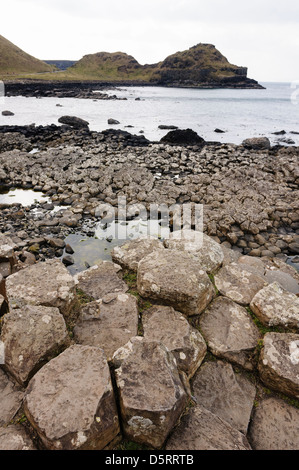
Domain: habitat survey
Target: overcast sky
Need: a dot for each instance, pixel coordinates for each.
(262, 34)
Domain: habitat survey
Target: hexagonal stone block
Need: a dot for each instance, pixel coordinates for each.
(176, 279)
(279, 363)
(202, 430)
(274, 426)
(108, 323)
(206, 251)
(151, 394)
(230, 332)
(131, 252)
(227, 395)
(239, 284)
(275, 306)
(70, 401)
(31, 336)
(100, 280)
(172, 329)
(11, 398)
(14, 437)
(48, 283)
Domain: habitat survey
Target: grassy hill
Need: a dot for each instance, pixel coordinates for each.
(15, 63)
(200, 66)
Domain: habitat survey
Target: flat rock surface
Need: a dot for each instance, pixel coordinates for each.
(131, 252)
(48, 284)
(108, 323)
(172, 329)
(100, 280)
(76, 388)
(274, 426)
(239, 284)
(286, 280)
(14, 437)
(202, 430)
(275, 306)
(207, 252)
(176, 279)
(151, 394)
(227, 395)
(11, 398)
(279, 363)
(32, 335)
(229, 331)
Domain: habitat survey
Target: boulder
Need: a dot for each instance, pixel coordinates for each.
(182, 137)
(113, 121)
(76, 389)
(238, 283)
(151, 394)
(202, 430)
(275, 306)
(48, 284)
(31, 336)
(257, 143)
(167, 127)
(274, 426)
(11, 398)
(227, 395)
(172, 329)
(279, 363)
(108, 323)
(100, 280)
(230, 332)
(73, 121)
(131, 252)
(176, 279)
(286, 280)
(15, 438)
(205, 250)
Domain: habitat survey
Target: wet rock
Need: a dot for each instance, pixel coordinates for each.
(130, 253)
(73, 121)
(108, 323)
(182, 136)
(167, 127)
(100, 280)
(76, 388)
(257, 143)
(69, 250)
(202, 430)
(113, 121)
(68, 260)
(230, 332)
(31, 336)
(48, 284)
(274, 426)
(15, 438)
(7, 113)
(205, 250)
(279, 363)
(11, 398)
(176, 279)
(227, 395)
(172, 329)
(274, 306)
(239, 284)
(151, 394)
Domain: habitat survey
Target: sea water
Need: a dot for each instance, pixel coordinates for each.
(240, 113)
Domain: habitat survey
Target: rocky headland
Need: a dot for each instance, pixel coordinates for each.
(181, 344)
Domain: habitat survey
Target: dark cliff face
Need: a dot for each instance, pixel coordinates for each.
(202, 66)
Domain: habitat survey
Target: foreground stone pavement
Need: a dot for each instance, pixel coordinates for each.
(199, 358)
